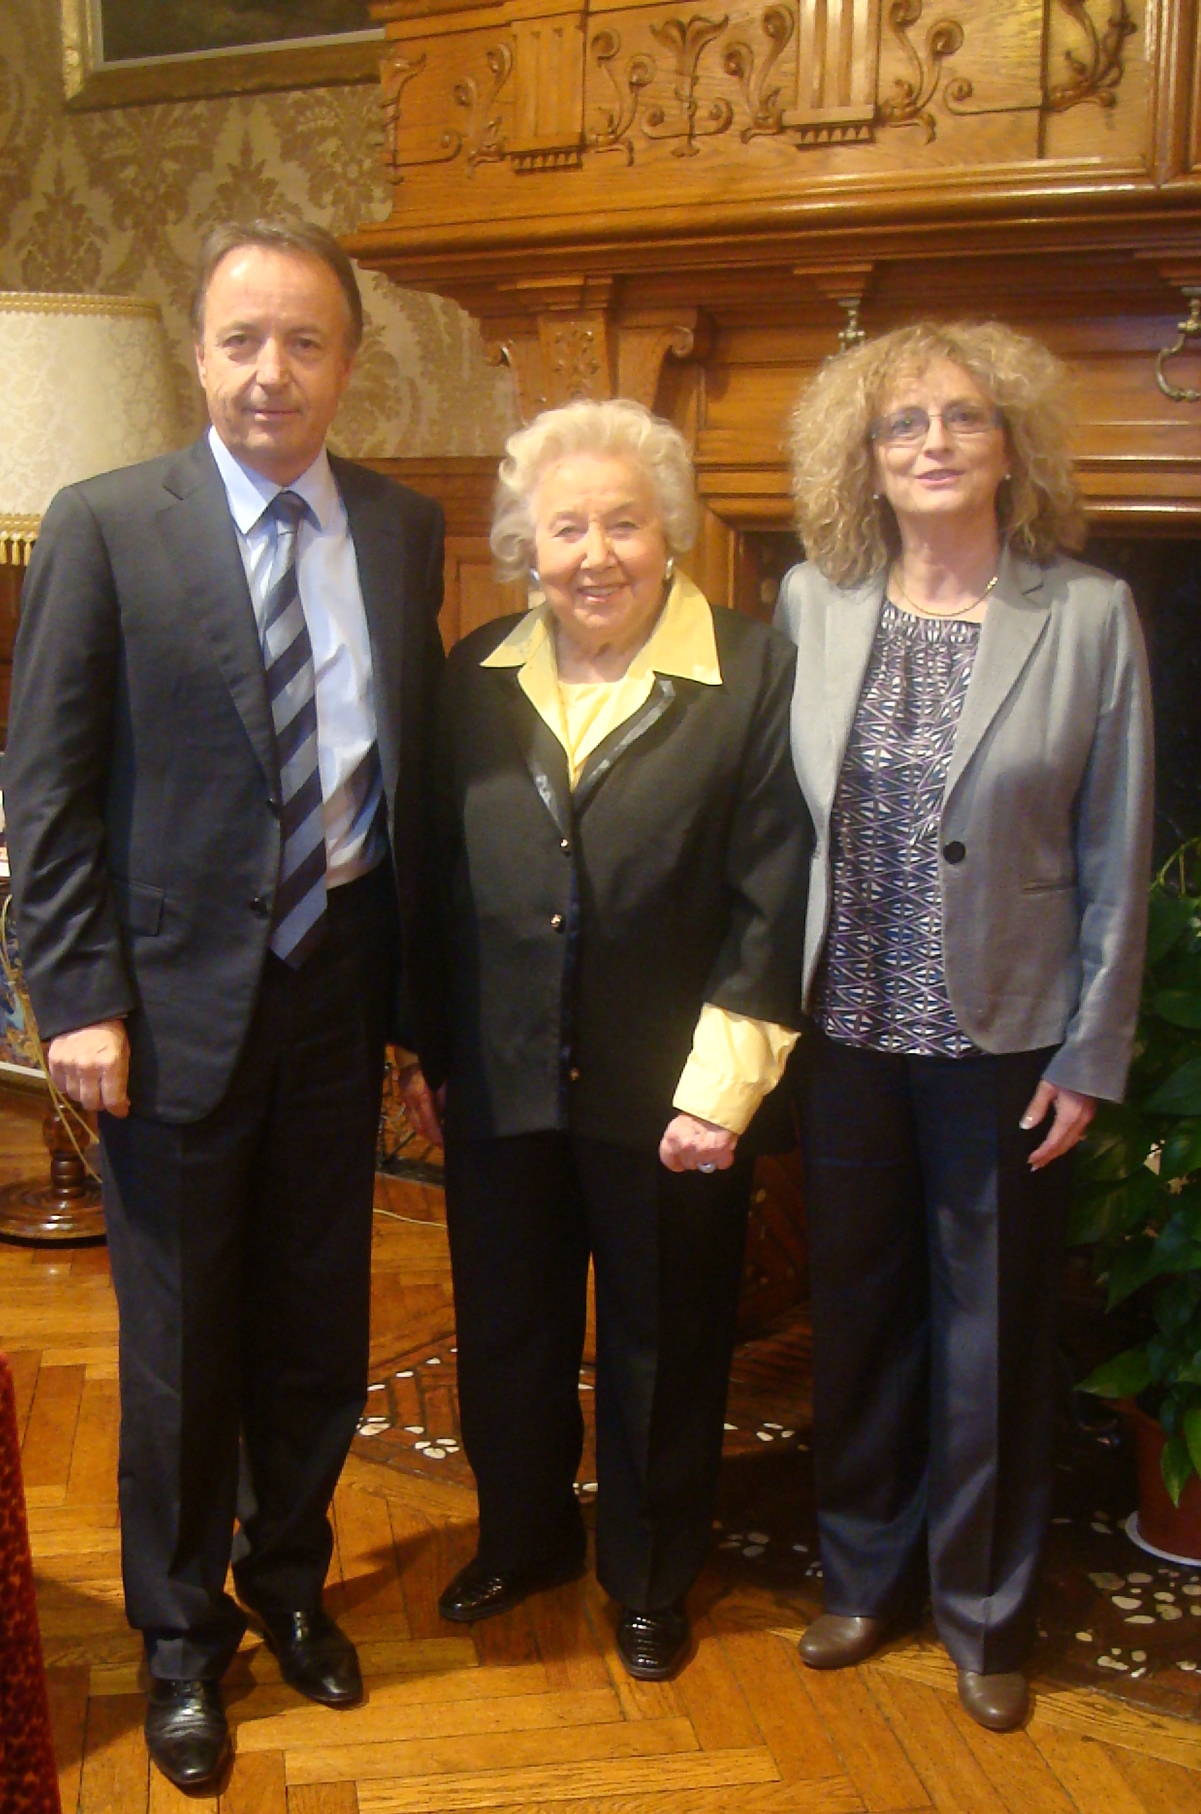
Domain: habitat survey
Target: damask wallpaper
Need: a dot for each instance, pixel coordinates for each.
(118, 200)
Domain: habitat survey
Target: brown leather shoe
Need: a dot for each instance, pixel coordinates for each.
(835, 1641)
(998, 1701)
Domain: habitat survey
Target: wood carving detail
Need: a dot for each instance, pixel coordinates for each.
(1097, 78)
(765, 105)
(688, 78)
(397, 73)
(1094, 77)
(909, 104)
(688, 41)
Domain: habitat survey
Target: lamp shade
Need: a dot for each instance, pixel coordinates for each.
(88, 389)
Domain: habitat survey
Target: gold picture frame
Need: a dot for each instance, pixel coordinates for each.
(91, 80)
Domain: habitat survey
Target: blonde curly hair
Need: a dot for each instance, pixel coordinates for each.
(615, 426)
(849, 531)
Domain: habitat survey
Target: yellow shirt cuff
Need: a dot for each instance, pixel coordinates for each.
(735, 1061)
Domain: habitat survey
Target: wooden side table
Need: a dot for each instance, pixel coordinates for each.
(65, 1207)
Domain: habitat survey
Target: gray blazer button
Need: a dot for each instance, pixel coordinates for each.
(954, 852)
(556, 920)
(260, 907)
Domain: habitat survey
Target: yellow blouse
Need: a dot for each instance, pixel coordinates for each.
(734, 1060)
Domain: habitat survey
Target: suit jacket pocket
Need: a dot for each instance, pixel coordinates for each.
(139, 906)
(1055, 886)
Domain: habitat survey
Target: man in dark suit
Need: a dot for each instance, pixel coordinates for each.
(220, 695)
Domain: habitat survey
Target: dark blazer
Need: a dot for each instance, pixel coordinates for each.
(141, 785)
(585, 931)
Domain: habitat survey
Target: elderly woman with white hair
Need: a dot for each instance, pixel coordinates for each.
(622, 846)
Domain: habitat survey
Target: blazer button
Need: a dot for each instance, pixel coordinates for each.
(574, 1074)
(556, 920)
(564, 844)
(259, 907)
(954, 852)
(275, 806)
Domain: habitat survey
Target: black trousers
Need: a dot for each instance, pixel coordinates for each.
(241, 1256)
(525, 1213)
(935, 1258)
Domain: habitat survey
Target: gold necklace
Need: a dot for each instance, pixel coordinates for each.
(945, 616)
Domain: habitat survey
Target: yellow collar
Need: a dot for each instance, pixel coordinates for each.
(682, 643)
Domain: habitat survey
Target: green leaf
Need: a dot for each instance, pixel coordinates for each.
(1180, 1006)
(1169, 916)
(1132, 1268)
(1181, 1151)
(1176, 1466)
(1178, 1250)
(1124, 1376)
(1192, 1436)
(1181, 1093)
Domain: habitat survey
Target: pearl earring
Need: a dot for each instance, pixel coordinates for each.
(534, 580)
(669, 569)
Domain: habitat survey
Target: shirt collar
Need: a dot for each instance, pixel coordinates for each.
(682, 642)
(249, 492)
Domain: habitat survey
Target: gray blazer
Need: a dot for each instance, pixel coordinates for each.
(1046, 821)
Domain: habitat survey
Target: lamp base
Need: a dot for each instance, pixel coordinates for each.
(65, 1210)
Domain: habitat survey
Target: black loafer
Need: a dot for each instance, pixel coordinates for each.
(652, 1645)
(186, 1731)
(314, 1656)
(477, 1592)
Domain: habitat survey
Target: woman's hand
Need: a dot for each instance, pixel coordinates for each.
(423, 1106)
(1072, 1116)
(692, 1145)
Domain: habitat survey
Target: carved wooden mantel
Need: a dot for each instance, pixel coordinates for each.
(693, 203)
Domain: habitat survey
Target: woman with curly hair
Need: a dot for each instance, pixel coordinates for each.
(972, 733)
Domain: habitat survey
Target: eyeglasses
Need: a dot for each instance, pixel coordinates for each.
(909, 427)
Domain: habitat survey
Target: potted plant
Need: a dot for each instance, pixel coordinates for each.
(1138, 1203)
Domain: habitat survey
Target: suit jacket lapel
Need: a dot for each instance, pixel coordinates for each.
(541, 750)
(197, 526)
(850, 630)
(658, 701)
(379, 556)
(1014, 622)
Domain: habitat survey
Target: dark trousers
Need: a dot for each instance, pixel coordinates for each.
(935, 1259)
(241, 1251)
(525, 1213)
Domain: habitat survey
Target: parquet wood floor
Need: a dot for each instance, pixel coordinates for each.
(530, 1712)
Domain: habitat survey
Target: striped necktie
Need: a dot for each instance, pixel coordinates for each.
(299, 918)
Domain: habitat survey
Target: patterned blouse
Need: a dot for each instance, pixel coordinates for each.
(883, 981)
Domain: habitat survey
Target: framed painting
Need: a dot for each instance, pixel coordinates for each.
(117, 53)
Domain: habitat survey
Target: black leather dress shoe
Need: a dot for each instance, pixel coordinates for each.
(314, 1657)
(186, 1732)
(652, 1645)
(477, 1592)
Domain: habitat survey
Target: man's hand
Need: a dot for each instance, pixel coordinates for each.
(91, 1066)
(423, 1106)
(692, 1145)
(1072, 1116)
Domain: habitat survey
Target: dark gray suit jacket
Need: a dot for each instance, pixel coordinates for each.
(1046, 812)
(140, 782)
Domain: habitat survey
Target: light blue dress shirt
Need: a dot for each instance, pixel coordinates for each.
(328, 577)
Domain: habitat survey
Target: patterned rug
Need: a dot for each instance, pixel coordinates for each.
(1111, 1616)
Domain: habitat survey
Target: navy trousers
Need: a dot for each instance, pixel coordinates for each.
(936, 1258)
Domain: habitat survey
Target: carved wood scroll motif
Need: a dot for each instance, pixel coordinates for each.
(552, 91)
